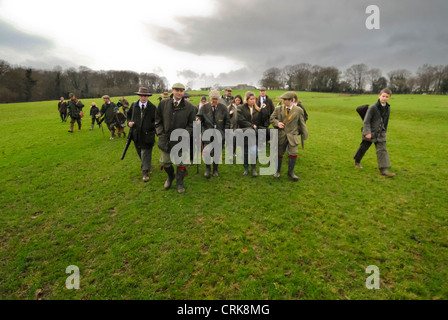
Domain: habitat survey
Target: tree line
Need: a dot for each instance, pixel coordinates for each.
(359, 78)
(19, 84)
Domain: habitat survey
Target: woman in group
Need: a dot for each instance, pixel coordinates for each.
(249, 118)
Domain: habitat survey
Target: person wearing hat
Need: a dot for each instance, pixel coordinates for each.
(226, 98)
(267, 108)
(108, 114)
(249, 118)
(75, 108)
(289, 119)
(214, 115)
(173, 113)
(141, 119)
(165, 95)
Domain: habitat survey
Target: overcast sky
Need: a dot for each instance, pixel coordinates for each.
(221, 41)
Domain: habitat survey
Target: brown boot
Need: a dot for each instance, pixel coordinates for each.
(358, 165)
(71, 127)
(385, 172)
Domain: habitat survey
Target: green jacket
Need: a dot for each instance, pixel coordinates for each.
(169, 119)
(108, 112)
(75, 107)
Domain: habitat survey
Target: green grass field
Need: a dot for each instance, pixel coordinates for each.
(67, 199)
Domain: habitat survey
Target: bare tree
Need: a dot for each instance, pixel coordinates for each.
(272, 79)
(356, 75)
(401, 81)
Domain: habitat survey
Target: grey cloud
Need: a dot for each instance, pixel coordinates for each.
(18, 40)
(268, 33)
(187, 74)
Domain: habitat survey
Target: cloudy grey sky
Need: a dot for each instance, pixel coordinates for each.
(222, 41)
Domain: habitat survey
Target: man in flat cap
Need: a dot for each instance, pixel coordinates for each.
(141, 119)
(214, 115)
(107, 110)
(75, 108)
(173, 113)
(227, 97)
(289, 119)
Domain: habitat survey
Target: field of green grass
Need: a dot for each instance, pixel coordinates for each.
(67, 199)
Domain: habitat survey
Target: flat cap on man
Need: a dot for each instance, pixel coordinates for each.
(287, 95)
(105, 97)
(263, 89)
(228, 89)
(214, 94)
(178, 86)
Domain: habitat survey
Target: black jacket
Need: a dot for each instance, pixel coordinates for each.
(169, 119)
(220, 121)
(144, 132)
(266, 112)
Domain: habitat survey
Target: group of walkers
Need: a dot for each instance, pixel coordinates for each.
(109, 113)
(221, 112)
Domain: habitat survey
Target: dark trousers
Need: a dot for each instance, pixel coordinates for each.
(145, 156)
(381, 153)
(63, 115)
(97, 120)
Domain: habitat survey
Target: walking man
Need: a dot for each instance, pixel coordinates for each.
(141, 119)
(75, 108)
(107, 110)
(374, 131)
(173, 113)
(289, 119)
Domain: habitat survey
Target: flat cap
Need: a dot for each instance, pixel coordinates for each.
(287, 95)
(228, 89)
(179, 86)
(214, 94)
(263, 89)
(105, 97)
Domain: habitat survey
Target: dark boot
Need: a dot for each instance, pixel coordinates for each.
(246, 170)
(215, 170)
(171, 176)
(279, 166)
(91, 128)
(145, 177)
(124, 135)
(386, 172)
(180, 180)
(71, 127)
(207, 171)
(254, 171)
(291, 165)
(79, 127)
